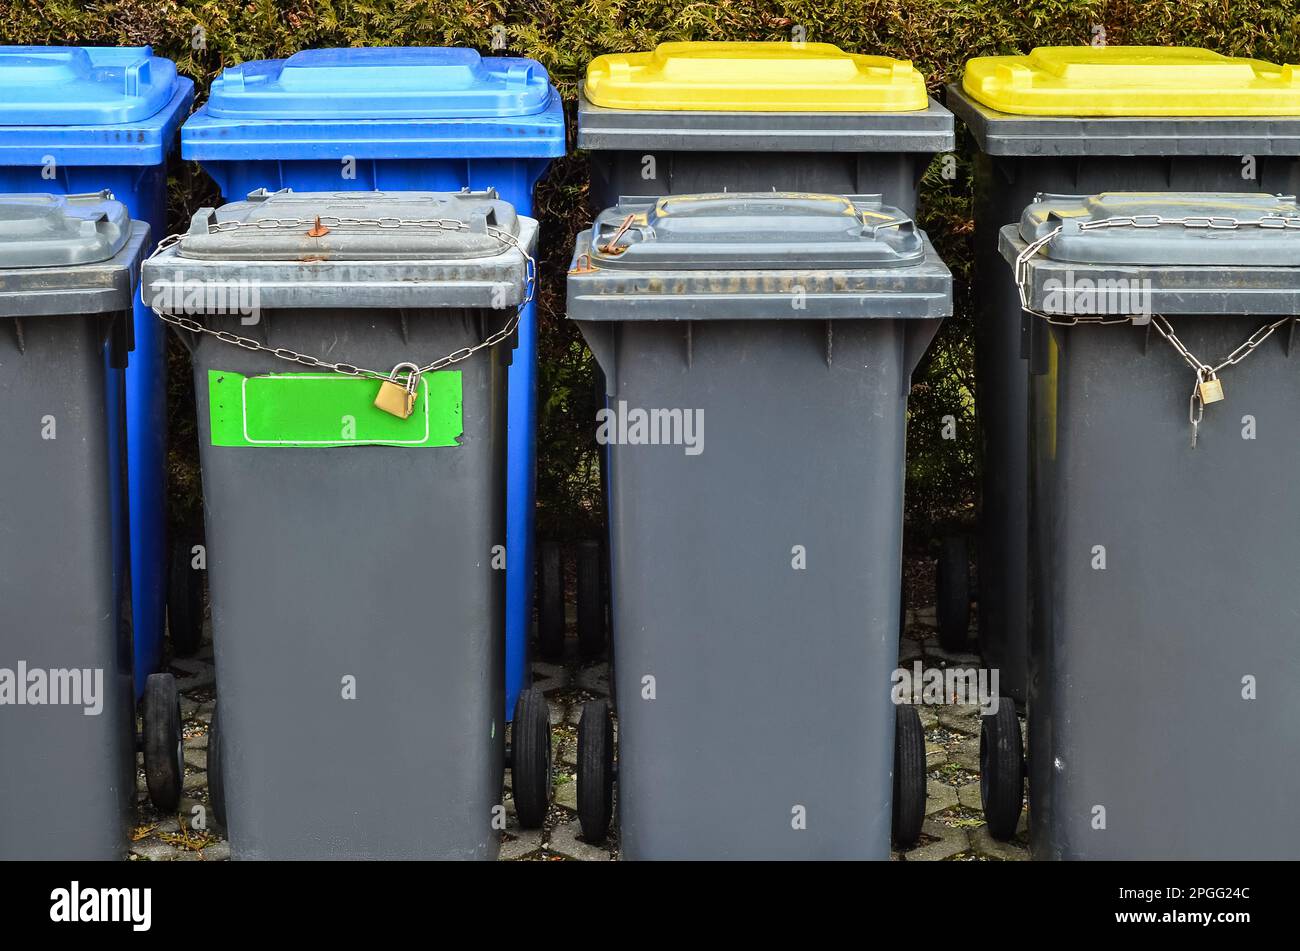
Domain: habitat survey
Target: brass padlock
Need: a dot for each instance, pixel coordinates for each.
(1211, 388)
(397, 397)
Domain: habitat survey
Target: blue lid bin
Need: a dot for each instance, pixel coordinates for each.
(81, 119)
(403, 119)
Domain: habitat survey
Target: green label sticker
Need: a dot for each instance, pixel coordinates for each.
(327, 410)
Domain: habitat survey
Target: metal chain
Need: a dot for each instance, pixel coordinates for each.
(1218, 222)
(1022, 284)
(348, 369)
(1206, 373)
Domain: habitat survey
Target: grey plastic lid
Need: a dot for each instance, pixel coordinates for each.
(754, 231)
(1135, 271)
(61, 230)
(1002, 133)
(372, 251)
(97, 287)
(765, 256)
(353, 226)
(926, 130)
(1150, 228)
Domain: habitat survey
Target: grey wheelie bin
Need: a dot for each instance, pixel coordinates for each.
(692, 117)
(1083, 120)
(355, 515)
(68, 269)
(757, 350)
(1164, 544)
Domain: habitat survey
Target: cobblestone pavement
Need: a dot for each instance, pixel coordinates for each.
(954, 828)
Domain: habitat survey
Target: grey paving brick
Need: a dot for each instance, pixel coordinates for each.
(986, 845)
(565, 841)
(960, 719)
(566, 795)
(946, 843)
(939, 797)
(217, 852)
(967, 754)
(969, 796)
(154, 850)
(525, 842)
(197, 758)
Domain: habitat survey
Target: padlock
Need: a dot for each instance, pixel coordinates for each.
(398, 398)
(1210, 388)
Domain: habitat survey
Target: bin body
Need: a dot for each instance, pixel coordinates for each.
(67, 720)
(399, 119)
(1106, 131)
(1143, 667)
(76, 120)
(341, 570)
(689, 118)
(749, 690)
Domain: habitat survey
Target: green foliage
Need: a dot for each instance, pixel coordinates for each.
(938, 35)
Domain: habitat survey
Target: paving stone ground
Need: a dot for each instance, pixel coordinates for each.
(954, 829)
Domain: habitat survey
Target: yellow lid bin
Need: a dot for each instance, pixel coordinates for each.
(754, 77)
(1132, 81)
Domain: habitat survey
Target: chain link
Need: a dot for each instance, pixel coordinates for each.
(333, 221)
(1205, 372)
(1219, 222)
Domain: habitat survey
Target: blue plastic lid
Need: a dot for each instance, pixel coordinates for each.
(381, 83)
(82, 85)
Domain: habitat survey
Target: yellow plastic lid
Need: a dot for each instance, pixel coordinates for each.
(1132, 81)
(754, 77)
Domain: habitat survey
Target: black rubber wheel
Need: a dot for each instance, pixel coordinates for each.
(591, 599)
(909, 776)
(184, 598)
(595, 770)
(550, 600)
(530, 758)
(1002, 770)
(164, 764)
(216, 782)
(952, 594)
